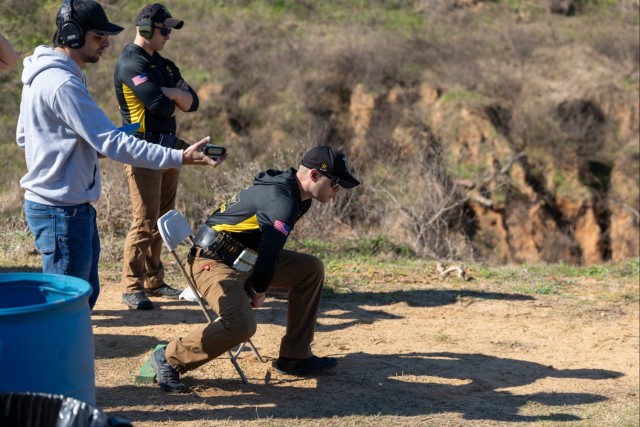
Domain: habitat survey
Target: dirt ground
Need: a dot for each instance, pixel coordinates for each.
(413, 349)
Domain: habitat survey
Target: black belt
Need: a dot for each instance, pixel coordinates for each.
(169, 140)
(223, 247)
(149, 136)
(197, 251)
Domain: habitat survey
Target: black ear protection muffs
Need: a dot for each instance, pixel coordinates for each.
(146, 27)
(71, 33)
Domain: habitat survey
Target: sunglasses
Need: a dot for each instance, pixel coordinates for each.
(164, 32)
(335, 182)
(100, 38)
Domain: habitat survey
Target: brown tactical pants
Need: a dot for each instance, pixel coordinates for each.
(152, 193)
(222, 288)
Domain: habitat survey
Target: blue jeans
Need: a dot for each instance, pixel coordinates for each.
(67, 237)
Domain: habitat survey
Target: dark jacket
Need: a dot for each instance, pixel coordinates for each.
(261, 217)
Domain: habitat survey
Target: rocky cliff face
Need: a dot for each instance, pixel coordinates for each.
(526, 202)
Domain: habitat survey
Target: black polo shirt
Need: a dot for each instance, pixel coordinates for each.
(138, 79)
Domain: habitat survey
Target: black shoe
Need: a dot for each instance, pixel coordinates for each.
(137, 301)
(302, 367)
(164, 291)
(168, 378)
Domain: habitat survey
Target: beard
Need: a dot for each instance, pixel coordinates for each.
(89, 58)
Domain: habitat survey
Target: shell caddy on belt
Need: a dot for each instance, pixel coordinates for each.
(222, 246)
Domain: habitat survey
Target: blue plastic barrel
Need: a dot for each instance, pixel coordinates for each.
(46, 340)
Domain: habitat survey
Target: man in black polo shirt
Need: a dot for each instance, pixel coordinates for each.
(150, 91)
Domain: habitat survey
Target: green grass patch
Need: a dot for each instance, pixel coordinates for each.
(541, 289)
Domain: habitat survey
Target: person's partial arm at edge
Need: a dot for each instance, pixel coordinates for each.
(8, 55)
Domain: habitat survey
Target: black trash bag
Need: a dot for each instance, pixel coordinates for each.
(26, 409)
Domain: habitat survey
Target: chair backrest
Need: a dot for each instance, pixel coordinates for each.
(173, 228)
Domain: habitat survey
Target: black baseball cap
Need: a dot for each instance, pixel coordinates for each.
(332, 163)
(159, 14)
(91, 17)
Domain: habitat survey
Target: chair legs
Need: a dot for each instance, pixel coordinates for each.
(233, 356)
(255, 351)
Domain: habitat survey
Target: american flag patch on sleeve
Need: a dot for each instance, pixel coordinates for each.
(139, 79)
(281, 227)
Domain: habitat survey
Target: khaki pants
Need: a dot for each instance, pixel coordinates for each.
(152, 193)
(222, 287)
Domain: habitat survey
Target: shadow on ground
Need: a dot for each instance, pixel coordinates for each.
(351, 307)
(108, 346)
(417, 384)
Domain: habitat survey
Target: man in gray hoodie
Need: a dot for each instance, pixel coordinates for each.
(63, 132)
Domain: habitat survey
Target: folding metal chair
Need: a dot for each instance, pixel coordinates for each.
(174, 229)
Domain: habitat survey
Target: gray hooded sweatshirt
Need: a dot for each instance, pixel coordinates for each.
(61, 130)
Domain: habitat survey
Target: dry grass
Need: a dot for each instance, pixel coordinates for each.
(278, 77)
